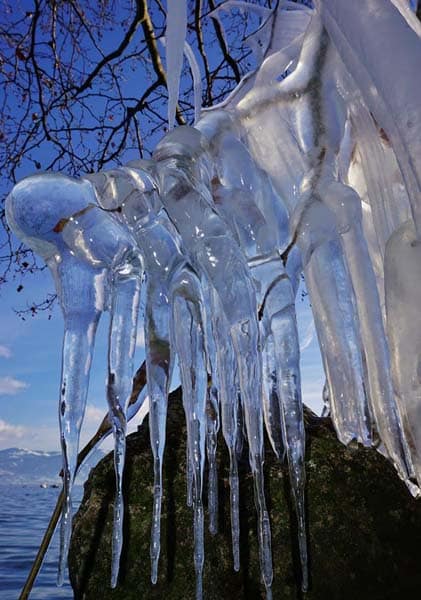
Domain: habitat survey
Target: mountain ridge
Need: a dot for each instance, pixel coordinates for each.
(22, 465)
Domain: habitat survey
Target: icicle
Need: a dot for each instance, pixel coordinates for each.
(158, 367)
(81, 318)
(212, 419)
(134, 193)
(279, 313)
(345, 203)
(245, 339)
(271, 403)
(227, 390)
(336, 320)
(197, 80)
(189, 340)
(42, 224)
(212, 412)
(159, 242)
(121, 347)
(403, 301)
(175, 35)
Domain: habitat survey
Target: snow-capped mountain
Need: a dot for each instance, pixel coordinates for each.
(19, 465)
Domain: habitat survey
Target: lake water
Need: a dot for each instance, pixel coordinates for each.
(24, 514)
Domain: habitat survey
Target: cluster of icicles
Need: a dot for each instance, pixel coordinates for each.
(311, 165)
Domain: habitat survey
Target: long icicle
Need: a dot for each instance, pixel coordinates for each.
(225, 362)
(336, 321)
(212, 414)
(212, 422)
(271, 402)
(346, 205)
(280, 312)
(158, 367)
(121, 347)
(81, 317)
(245, 338)
(188, 329)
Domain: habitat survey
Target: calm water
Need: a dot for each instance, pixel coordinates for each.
(24, 515)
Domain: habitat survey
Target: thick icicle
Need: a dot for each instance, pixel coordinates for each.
(42, 225)
(336, 321)
(345, 203)
(81, 317)
(250, 205)
(121, 347)
(244, 196)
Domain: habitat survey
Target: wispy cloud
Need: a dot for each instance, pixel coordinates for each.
(9, 429)
(5, 352)
(10, 435)
(10, 386)
(94, 415)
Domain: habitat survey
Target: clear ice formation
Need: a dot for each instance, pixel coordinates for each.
(311, 165)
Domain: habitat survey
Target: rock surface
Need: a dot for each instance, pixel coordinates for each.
(364, 527)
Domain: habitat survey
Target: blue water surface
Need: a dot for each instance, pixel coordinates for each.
(24, 514)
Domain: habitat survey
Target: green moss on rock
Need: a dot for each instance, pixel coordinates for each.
(364, 528)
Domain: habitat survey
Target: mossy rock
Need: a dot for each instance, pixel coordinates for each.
(364, 527)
